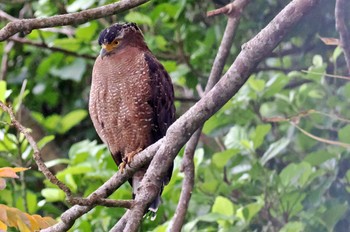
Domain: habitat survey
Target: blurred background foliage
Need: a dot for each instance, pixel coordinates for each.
(255, 170)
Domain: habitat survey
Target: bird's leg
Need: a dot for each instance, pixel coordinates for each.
(122, 166)
(131, 155)
(128, 158)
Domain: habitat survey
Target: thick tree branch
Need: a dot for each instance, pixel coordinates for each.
(27, 25)
(235, 10)
(341, 10)
(252, 53)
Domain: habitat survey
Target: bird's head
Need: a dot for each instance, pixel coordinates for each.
(118, 36)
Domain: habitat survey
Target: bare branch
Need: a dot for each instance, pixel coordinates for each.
(252, 53)
(341, 10)
(6, 16)
(223, 10)
(103, 202)
(5, 57)
(27, 25)
(187, 167)
(215, 74)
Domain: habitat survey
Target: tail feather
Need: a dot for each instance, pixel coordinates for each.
(136, 180)
(153, 208)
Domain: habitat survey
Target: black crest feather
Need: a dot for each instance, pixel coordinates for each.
(110, 33)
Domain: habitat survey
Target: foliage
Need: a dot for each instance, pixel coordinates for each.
(256, 168)
(13, 217)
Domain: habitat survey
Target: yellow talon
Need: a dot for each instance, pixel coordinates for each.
(131, 155)
(122, 166)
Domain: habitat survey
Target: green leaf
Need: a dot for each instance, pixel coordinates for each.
(2, 91)
(259, 134)
(46, 64)
(247, 212)
(291, 201)
(221, 158)
(223, 206)
(52, 122)
(55, 162)
(274, 150)
(275, 85)
(79, 5)
(235, 136)
(337, 52)
(344, 133)
(73, 71)
(71, 119)
(316, 93)
(319, 157)
(334, 213)
(31, 199)
(138, 18)
(257, 85)
(74, 170)
(210, 217)
(45, 141)
(70, 44)
(296, 175)
(53, 194)
(161, 42)
(87, 31)
(293, 227)
(317, 61)
(70, 182)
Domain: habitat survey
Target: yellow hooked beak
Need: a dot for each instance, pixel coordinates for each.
(106, 48)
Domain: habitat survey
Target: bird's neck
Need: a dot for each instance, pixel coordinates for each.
(137, 41)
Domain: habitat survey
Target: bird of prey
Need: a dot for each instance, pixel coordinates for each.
(131, 99)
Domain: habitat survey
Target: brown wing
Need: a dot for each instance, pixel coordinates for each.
(162, 100)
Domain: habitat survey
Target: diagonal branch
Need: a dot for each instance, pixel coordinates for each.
(252, 53)
(27, 25)
(234, 15)
(36, 152)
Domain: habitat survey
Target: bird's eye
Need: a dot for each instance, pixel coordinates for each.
(115, 42)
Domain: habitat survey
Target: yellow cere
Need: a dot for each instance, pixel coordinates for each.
(109, 47)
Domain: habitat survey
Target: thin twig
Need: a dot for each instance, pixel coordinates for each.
(5, 57)
(55, 49)
(322, 140)
(6, 16)
(36, 152)
(187, 166)
(103, 202)
(223, 10)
